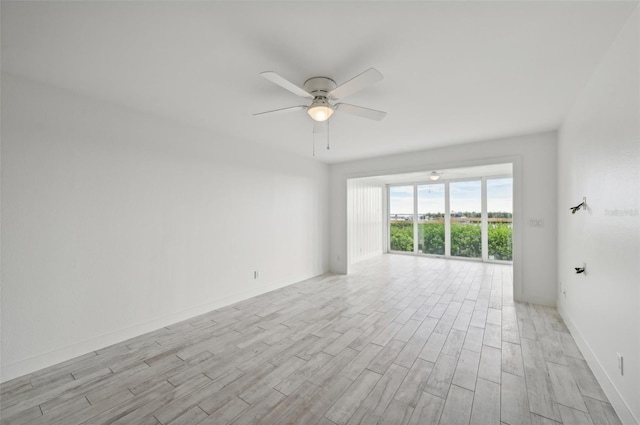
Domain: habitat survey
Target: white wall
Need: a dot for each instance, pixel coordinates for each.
(366, 218)
(534, 174)
(599, 157)
(115, 223)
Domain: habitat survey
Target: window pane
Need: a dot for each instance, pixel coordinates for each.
(431, 219)
(466, 208)
(500, 214)
(401, 218)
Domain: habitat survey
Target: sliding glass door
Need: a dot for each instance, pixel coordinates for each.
(431, 219)
(401, 218)
(458, 218)
(500, 218)
(466, 215)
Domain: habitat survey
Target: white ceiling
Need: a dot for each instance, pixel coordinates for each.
(454, 72)
(491, 170)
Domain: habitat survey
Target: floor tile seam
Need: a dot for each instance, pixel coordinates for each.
(459, 387)
(593, 399)
(240, 397)
(573, 408)
(546, 417)
(444, 399)
(556, 363)
(528, 390)
(509, 373)
(30, 403)
(349, 386)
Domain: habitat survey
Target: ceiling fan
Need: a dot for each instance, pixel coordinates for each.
(324, 92)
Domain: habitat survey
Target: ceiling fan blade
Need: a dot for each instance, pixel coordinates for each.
(371, 114)
(357, 83)
(277, 111)
(285, 84)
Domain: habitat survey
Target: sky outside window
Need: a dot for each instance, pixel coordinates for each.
(431, 199)
(401, 200)
(465, 196)
(500, 195)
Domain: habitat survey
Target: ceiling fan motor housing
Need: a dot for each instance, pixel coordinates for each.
(319, 86)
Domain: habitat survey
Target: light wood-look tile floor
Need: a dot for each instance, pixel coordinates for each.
(401, 340)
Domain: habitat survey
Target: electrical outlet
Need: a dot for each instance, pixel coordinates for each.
(620, 363)
(256, 274)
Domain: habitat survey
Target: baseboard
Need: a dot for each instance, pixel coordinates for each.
(23, 367)
(543, 301)
(622, 409)
(366, 257)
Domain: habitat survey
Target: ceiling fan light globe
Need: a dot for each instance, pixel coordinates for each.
(434, 176)
(320, 113)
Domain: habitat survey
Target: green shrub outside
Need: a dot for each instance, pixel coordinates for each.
(432, 238)
(402, 236)
(465, 239)
(500, 241)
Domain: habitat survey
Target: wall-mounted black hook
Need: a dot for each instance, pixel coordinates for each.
(581, 270)
(576, 208)
(583, 204)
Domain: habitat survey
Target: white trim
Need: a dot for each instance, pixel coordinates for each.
(516, 234)
(484, 220)
(619, 405)
(447, 221)
(368, 256)
(386, 240)
(416, 241)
